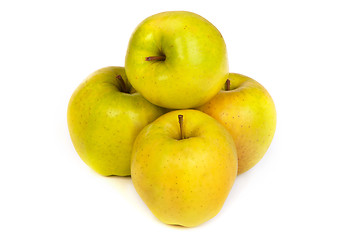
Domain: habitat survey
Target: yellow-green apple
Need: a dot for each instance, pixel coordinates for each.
(105, 114)
(177, 60)
(184, 170)
(247, 111)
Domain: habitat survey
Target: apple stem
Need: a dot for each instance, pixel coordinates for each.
(122, 83)
(181, 123)
(155, 58)
(227, 85)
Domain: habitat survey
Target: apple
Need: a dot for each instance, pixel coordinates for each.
(177, 60)
(105, 114)
(248, 112)
(184, 170)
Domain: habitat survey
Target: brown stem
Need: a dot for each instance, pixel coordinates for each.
(155, 58)
(227, 85)
(181, 123)
(122, 83)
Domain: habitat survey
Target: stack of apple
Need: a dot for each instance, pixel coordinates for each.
(173, 118)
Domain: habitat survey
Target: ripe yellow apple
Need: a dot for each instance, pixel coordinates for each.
(105, 114)
(184, 172)
(248, 112)
(177, 60)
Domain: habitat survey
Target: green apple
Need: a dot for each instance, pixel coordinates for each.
(184, 170)
(177, 60)
(105, 115)
(248, 112)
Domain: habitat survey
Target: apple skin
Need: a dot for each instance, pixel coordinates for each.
(184, 182)
(196, 64)
(248, 112)
(103, 121)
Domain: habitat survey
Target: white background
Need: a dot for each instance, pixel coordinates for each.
(307, 55)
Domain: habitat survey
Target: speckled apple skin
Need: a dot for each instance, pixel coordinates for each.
(184, 182)
(248, 112)
(103, 121)
(196, 64)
